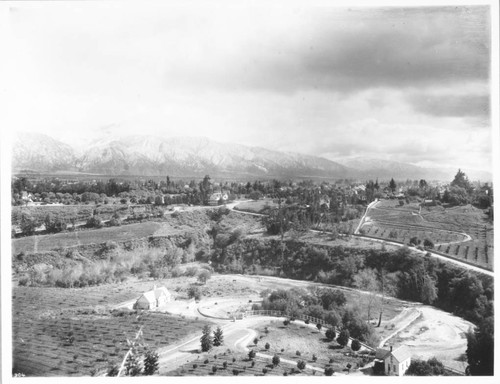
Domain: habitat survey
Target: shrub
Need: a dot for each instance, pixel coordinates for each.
(329, 371)
(94, 222)
(191, 271)
(194, 292)
(297, 353)
(276, 360)
(206, 361)
(343, 338)
(195, 366)
(251, 354)
(319, 326)
(214, 369)
(203, 276)
(314, 358)
(224, 364)
(301, 364)
(355, 345)
(307, 321)
(256, 340)
(286, 322)
(264, 370)
(330, 334)
(267, 346)
(428, 244)
(236, 372)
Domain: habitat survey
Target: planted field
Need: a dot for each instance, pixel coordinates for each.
(48, 340)
(69, 239)
(315, 351)
(463, 232)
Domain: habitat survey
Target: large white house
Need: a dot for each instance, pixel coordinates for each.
(396, 361)
(155, 298)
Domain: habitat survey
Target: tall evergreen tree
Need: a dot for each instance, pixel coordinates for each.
(206, 339)
(218, 337)
(392, 185)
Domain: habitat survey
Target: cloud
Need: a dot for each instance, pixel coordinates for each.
(349, 50)
(452, 105)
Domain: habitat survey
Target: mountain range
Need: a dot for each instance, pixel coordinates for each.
(195, 157)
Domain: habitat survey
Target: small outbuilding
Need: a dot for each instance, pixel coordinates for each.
(395, 361)
(155, 298)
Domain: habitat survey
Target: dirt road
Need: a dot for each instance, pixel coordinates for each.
(427, 331)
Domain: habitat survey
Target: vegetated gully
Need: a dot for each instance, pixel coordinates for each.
(388, 242)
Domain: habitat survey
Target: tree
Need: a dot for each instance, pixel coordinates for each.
(276, 360)
(94, 222)
(355, 345)
(392, 185)
(267, 346)
(194, 292)
(132, 366)
(319, 326)
(330, 334)
(206, 339)
(480, 349)
(150, 362)
(203, 276)
(251, 354)
(329, 371)
(218, 337)
(28, 224)
(366, 280)
(461, 180)
(428, 244)
(255, 195)
(343, 338)
(53, 224)
(431, 367)
(301, 364)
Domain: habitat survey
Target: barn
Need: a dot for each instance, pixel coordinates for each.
(155, 298)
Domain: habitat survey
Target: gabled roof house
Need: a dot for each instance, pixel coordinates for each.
(155, 298)
(396, 361)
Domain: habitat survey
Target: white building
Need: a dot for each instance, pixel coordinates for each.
(155, 298)
(396, 362)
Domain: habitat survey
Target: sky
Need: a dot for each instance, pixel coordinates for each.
(405, 84)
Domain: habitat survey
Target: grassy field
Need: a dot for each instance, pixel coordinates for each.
(63, 332)
(445, 227)
(96, 236)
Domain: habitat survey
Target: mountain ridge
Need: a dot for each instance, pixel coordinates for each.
(196, 156)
